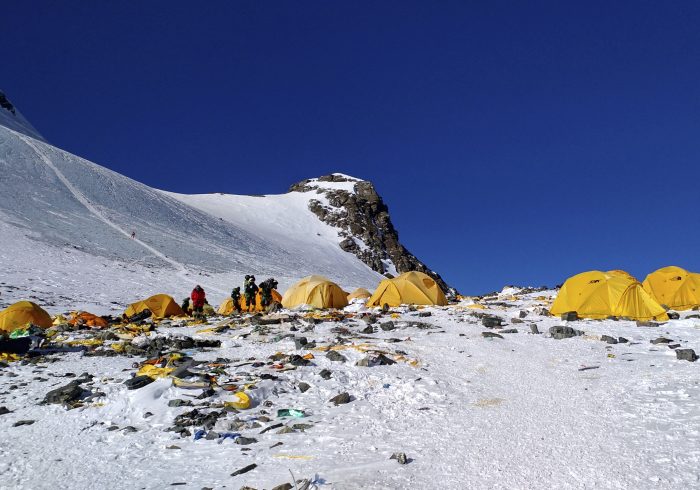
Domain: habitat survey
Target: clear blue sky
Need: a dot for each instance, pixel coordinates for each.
(514, 142)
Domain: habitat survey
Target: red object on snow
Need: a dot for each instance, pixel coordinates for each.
(197, 297)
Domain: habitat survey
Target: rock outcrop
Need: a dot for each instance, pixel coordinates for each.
(364, 226)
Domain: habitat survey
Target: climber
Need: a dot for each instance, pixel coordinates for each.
(266, 288)
(236, 298)
(250, 289)
(185, 305)
(198, 297)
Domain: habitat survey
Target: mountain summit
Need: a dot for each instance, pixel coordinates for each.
(84, 236)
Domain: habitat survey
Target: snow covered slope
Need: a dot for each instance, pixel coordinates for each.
(55, 206)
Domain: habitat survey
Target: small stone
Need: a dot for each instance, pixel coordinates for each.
(569, 316)
(244, 441)
(4, 410)
(673, 315)
(534, 329)
(516, 320)
(400, 458)
(297, 360)
(173, 447)
(387, 326)
(622, 340)
(285, 430)
(367, 329)
(65, 394)
(129, 429)
(491, 335)
(341, 399)
(283, 486)
(335, 356)
(245, 469)
(138, 382)
(661, 340)
(178, 402)
(303, 387)
(560, 332)
(23, 422)
(686, 355)
(211, 435)
(302, 427)
(522, 314)
(424, 314)
(509, 330)
(647, 324)
(608, 339)
(491, 321)
(300, 342)
(325, 374)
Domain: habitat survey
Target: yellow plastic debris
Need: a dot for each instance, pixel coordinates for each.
(242, 402)
(4, 356)
(85, 342)
(476, 306)
(294, 456)
(154, 371)
(118, 346)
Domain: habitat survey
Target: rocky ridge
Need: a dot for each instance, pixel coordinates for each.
(364, 224)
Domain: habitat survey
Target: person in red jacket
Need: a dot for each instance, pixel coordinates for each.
(198, 297)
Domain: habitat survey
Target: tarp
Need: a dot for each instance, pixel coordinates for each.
(674, 287)
(316, 291)
(88, 319)
(414, 288)
(161, 305)
(226, 308)
(21, 314)
(598, 295)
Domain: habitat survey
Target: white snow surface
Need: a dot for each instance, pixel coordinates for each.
(18, 122)
(56, 207)
(518, 412)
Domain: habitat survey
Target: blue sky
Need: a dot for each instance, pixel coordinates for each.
(514, 142)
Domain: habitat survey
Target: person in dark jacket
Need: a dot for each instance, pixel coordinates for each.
(250, 289)
(266, 288)
(198, 297)
(236, 298)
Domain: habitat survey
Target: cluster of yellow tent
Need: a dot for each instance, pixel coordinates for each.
(597, 294)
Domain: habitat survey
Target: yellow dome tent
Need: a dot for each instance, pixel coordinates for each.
(598, 295)
(161, 305)
(359, 293)
(21, 314)
(316, 291)
(226, 308)
(414, 288)
(674, 287)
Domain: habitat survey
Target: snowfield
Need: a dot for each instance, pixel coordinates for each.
(522, 411)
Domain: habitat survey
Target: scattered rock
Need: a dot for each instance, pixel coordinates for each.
(297, 360)
(509, 330)
(335, 356)
(66, 394)
(491, 335)
(178, 402)
(516, 320)
(569, 316)
(387, 326)
(534, 329)
(686, 355)
(560, 332)
(400, 458)
(542, 311)
(522, 314)
(622, 340)
(300, 342)
(341, 399)
(325, 374)
(244, 441)
(283, 486)
(23, 422)
(673, 315)
(285, 430)
(608, 339)
(303, 387)
(367, 329)
(173, 447)
(491, 321)
(647, 324)
(4, 410)
(375, 360)
(138, 382)
(661, 340)
(425, 314)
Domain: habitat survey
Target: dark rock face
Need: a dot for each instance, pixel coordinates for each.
(363, 215)
(6, 104)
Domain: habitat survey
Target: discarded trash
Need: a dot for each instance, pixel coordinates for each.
(291, 412)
